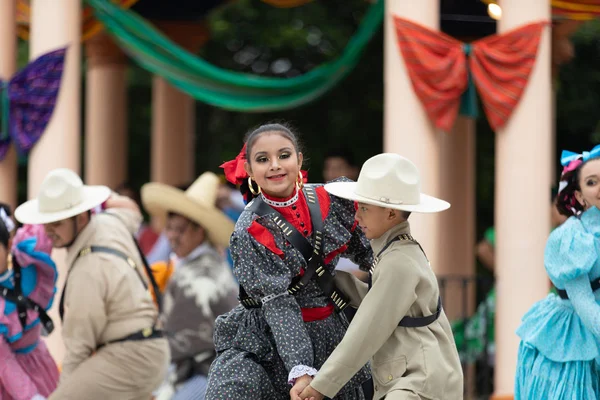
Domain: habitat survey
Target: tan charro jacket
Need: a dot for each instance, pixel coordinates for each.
(105, 299)
(420, 360)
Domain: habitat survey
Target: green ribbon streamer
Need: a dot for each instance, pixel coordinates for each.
(223, 88)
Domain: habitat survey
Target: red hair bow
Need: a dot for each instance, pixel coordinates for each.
(234, 169)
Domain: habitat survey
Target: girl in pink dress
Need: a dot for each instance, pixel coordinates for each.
(27, 370)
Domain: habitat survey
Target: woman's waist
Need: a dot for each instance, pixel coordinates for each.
(555, 329)
(555, 300)
(312, 308)
(26, 342)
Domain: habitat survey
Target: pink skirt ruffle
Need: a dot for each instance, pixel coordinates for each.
(40, 368)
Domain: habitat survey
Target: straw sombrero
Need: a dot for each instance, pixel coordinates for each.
(62, 195)
(197, 203)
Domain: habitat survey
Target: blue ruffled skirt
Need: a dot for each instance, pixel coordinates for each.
(541, 378)
(557, 354)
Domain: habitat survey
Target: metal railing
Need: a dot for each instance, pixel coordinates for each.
(465, 298)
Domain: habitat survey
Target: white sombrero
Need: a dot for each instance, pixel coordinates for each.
(391, 181)
(62, 195)
(197, 203)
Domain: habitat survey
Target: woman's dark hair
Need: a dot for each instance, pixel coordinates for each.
(283, 129)
(566, 202)
(4, 233)
(280, 128)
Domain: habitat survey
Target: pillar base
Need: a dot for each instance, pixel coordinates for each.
(502, 397)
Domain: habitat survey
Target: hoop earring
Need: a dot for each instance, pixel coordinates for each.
(300, 181)
(254, 192)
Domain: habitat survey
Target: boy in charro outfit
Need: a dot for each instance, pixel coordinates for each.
(400, 324)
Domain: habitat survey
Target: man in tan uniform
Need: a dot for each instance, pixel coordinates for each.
(400, 325)
(113, 348)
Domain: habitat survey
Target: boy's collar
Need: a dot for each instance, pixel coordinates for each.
(378, 243)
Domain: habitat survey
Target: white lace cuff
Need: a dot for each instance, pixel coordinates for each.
(298, 371)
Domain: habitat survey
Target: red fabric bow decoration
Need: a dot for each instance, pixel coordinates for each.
(236, 173)
(437, 66)
(234, 170)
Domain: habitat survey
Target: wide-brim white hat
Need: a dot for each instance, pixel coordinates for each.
(197, 203)
(391, 181)
(62, 195)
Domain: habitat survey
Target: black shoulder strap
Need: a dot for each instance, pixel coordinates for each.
(408, 322)
(419, 322)
(148, 270)
(121, 255)
(259, 207)
(316, 262)
(401, 237)
(150, 275)
(313, 255)
(21, 307)
(292, 234)
(24, 303)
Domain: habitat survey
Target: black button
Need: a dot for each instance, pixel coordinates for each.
(298, 215)
(305, 232)
(302, 224)
(294, 207)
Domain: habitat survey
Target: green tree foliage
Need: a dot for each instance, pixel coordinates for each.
(578, 94)
(254, 37)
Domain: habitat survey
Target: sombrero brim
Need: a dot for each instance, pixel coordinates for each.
(159, 199)
(427, 204)
(29, 212)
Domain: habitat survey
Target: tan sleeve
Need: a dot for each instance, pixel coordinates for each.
(351, 286)
(85, 317)
(394, 290)
(131, 218)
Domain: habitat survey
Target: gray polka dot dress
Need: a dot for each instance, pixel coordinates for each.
(258, 348)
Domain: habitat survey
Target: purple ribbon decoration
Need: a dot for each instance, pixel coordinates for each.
(28, 101)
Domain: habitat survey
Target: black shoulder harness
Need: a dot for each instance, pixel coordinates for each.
(24, 303)
(408, 322)
(312, 255)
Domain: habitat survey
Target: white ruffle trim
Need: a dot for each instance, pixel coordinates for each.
(300, 370)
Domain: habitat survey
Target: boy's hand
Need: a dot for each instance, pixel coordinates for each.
(299, 386)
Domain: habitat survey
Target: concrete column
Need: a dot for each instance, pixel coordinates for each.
(523, 165)
(8, 65)
(56, 24)
(173, 144)
(407, 129)
(173, 114)
(106, 113)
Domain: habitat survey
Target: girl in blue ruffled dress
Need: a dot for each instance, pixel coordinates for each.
(559, 352)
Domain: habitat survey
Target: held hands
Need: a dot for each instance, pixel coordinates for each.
(311, 394)
(302, 391)
(299, 386)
